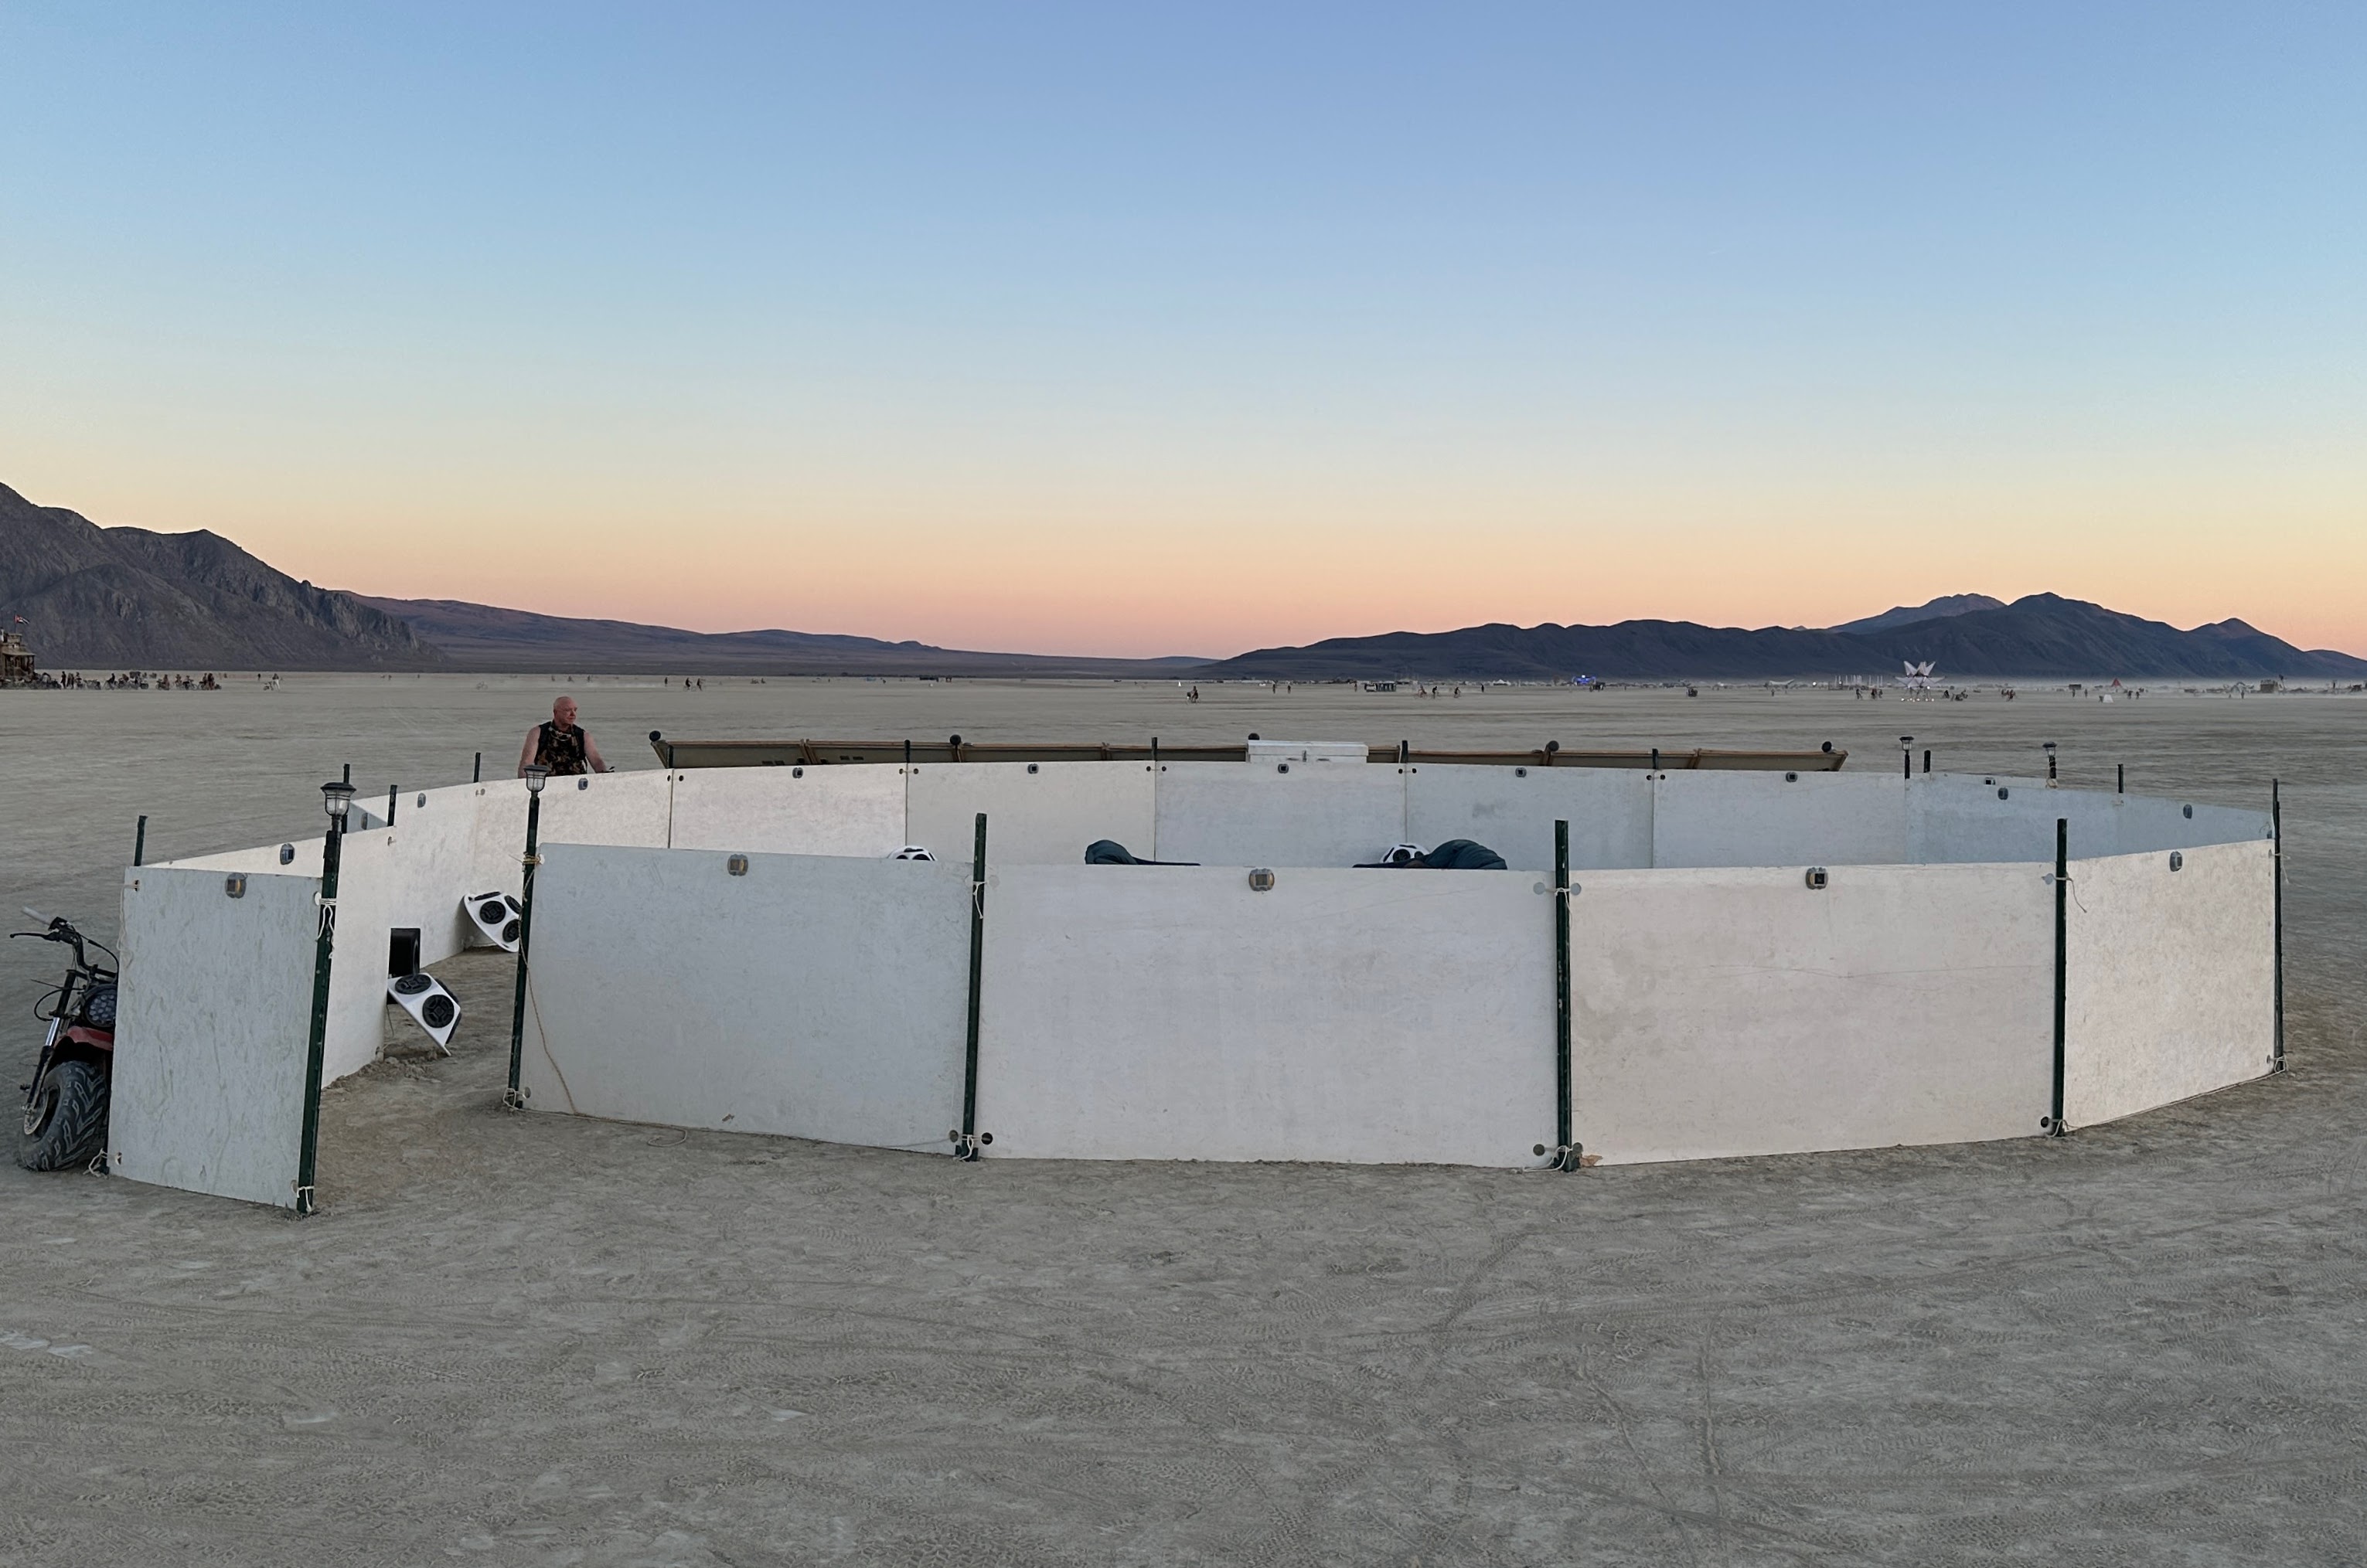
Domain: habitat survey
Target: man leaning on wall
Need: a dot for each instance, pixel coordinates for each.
(561, 746)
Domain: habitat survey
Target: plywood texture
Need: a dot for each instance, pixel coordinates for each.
(840, 810)
(1044, 818)
(212, 1021)
(1738, 1012)
(818, 997)
(1609, 811)
(2171, 978)
(1174, 1013)
(1762, 819)
(1245, 814)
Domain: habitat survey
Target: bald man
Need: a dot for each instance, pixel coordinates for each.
(561, 746)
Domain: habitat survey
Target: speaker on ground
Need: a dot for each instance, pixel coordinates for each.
(429, 1004)
(496, 917)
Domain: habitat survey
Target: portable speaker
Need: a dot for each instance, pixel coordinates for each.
(496, 918)
(429, 1004)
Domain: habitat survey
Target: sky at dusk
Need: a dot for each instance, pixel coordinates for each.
(1137, 329)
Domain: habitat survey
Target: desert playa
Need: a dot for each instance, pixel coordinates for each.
(552, 1341)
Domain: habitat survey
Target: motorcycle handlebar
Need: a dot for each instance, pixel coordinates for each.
(59, 928)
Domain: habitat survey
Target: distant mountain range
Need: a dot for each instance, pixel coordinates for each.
(2037, 636)
(1907, 614)
(479, 636)
(124, 598)
(99, 598)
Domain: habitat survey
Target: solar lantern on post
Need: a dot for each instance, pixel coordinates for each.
(336, 799)
(536, 777)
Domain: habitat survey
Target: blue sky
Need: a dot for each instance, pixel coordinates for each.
(1036, 326)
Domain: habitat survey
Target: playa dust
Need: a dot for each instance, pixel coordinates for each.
(539, 1340)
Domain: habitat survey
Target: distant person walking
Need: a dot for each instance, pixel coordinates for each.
(561, 746)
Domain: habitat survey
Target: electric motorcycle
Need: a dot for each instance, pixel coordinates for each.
(66, 1105)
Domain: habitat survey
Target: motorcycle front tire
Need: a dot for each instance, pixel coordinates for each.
(65, 1125)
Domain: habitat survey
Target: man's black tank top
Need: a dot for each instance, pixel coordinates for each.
(562, 751)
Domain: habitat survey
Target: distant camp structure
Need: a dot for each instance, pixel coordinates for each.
(16, 660)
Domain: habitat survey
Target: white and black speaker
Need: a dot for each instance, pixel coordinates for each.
(429, 1004)
(497, 917)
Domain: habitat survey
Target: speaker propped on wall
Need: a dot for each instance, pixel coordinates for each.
(429, 1004)
(496, 917)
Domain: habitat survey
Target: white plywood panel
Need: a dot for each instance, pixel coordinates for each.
(411, 875)
(1958, 818)
(1738, 1012)
(2171, 978)
(263, 859)
(1244, 814)
(845, 809)
(1964, 819)
(1044, 818)
(2146, 823)
(818, 997)
(1609, 811)
(1711, 818)
(1174, 1013)
(212, 1021)
(604, 808)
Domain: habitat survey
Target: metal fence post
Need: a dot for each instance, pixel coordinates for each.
(2062, 962)
(1566, 1153)
(968, 1141)
(2277, 839)
(512, 1099)
(324, 946)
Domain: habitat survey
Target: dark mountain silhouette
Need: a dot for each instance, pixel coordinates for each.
(2038, 637)
(1907, 614)
(125, 598)
(99, 599)
(479, 637)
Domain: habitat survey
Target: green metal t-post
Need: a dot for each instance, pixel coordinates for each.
(968, 1140)
(308, 1148)
(2055, 1128)
(526, 863)
(2277, 842)
(1561, 990)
